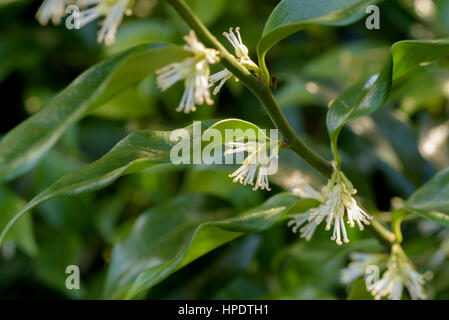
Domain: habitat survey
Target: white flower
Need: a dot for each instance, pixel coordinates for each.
(113, 10)
(310, 223)
(299, 185)
(194, 71)
(52, 10)
(241, 51)
(400, 273)
(359, 263)
(338, 203)
(257, 161)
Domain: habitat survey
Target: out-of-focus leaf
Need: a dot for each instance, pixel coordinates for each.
(132, 103)
(295, 92)
(367, 96)
(358, 100)
(175, 241)
(22, 233)
(241, 288)
(140, 31)
(55, 256)
(139, 150)
(404, 142)
(407, 55)
(423, 88)
(432, 199)
(208, 11)
(218, 183)
(5, 3)
(291, 16)
(211, 273)
(23, 146)
(108, 214)
(359, 292)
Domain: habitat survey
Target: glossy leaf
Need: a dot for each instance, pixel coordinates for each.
(22, 233)
(365, 97)
(291, 16)
(432, 199)
(180, 241)
(24, 146)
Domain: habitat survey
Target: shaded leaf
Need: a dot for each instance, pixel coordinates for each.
(291, 16)
(24, 146)
(432, 199)
(22, 233)
(183, 240)
(138, 151)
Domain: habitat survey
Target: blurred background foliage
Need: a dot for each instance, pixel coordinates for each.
(387, 155)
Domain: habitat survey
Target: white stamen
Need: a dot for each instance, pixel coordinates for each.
(52, 10)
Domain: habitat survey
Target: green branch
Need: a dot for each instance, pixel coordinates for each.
(260, 89)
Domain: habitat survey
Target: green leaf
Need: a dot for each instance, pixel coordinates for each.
(291, 16)
(138, 151)
(348, 62)
(23, 146)
(432, 199)
(365, 97)
(165, 240)
(22, 233)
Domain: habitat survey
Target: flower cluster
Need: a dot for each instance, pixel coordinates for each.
(261, 156)
(241, 51)
(112, 10)
(400, 273)
(299, 185)
(338, 203)
(194, 71)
